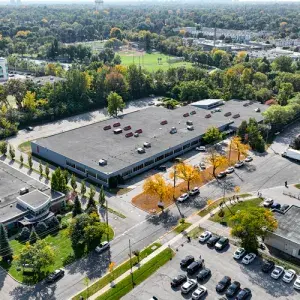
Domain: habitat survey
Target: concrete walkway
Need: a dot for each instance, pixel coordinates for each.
(198, 221)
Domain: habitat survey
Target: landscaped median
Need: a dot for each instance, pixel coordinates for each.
(126, 285)
(118, 271)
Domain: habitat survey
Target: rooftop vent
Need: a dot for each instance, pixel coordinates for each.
(246, 104)
(186, 115)
(117, 124)
(208, 116)
(129, 134)
(190, 128)
(164, 122)
(236, 116)
(117, 131)
(140, 150)
(107, 127)
(127, 127)
(257, 109)
(147, 145)
(227, 114)
(173, 130)
(102, 162)
(189, 122)
(193, 112)
(139, 131)
(136, 134)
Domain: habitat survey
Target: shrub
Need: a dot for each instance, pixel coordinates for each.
(40, 228)
(59, 217)
(24, 234)
(64, 224)
(53, 223)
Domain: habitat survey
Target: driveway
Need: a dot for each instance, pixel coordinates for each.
(221, 264)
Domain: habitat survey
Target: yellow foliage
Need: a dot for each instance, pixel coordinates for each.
(111, 266)
(216, 160)
(237, 189)
(29, 101)
(3, 109)
(23, 33)
(239, 147)
(209, 202)
(120, 69)
(44, 20)
(89, 79)
(157, 186)
(182, 32)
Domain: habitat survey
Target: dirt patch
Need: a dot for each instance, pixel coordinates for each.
(149, 203)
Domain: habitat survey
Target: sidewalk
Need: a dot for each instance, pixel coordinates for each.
(203, 222)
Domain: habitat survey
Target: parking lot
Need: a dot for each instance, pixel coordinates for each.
(221, 264)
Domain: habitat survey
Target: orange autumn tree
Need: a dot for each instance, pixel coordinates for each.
(239, 147)
(216, 160)
(185, 172)
(157, 186)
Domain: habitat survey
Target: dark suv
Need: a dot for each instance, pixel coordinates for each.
(194, 266)
(55, 275)
(268, 266)
(187, 261)
(213, 240)
(223, 284)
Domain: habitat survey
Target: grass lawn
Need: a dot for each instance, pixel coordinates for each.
(125, 286)
(149, 61)
(297, 185)
(234, 208)
(181, 227)
(105, 280)
(63, 254)
(25, 147)
(196, 232)
(215, 204)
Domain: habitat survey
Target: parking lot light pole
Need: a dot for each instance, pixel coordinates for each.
(174, 200)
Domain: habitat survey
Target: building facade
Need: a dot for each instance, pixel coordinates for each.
(3, 69)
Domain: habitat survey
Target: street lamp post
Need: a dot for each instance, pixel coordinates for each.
(174, 185)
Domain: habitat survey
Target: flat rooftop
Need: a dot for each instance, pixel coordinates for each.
(35, 199)
(90, 143)
(288, 224)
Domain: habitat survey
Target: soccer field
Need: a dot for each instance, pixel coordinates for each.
(151, 61)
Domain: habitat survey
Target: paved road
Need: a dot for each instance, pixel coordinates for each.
(221, 264)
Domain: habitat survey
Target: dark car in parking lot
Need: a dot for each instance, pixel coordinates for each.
(275, 205)
(233, 289)
(55, 275)
(284, 207)
(194, 266)
(161, 168)
(178, 280)
(223, 284)
(268, 266)
(213, 240)
(222, 243)
(187, 261)
(203, 274)
(243, 294)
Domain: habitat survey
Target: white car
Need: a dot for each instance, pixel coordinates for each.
(194, 191)
(206, 235)
(202, 166)
(199, 292)
(188, 286)
(248, 158)
(289, 275)
(277, 272)
(183, 197)
(229, 170)
(102, 247)
(297, 283)
(268, 202)
(239, 164)
(238, 254)
(201, 148)
(249, 258)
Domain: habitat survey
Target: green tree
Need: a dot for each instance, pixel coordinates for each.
(212, 135)
(115, 104)
(282, 64)
(3, 147)
(255, 138)
(30, 162)
(83, 188)
(21, 159)
(5, 248)
(251, 224)
(12, 152)
(47, 171)
(101, 198)
(66, 175)
(16, 88)
(242, 130)
(193, 90)
(73, 182)
(29, 101)
(285, 93)
(77, 210)
(41, 168)
(58, 181)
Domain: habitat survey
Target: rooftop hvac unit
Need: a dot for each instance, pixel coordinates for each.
(136, 134)
(107, 127)
(227, 114)
(173, 130)
(129, 134)
(102, 162)
(118, 130)
(190, 128)
(246, 104)
(193, 112)
(208, 116)
(127, 127)
(147, 145)
(140, 150)
(139, 131)
(236, 116)
(189, 122)
(117, 124)
(186, 115)
(164, 122)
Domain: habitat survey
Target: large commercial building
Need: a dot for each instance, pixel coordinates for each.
(3, 69)
(114, 150)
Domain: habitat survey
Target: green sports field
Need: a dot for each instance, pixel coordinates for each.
(151, 61)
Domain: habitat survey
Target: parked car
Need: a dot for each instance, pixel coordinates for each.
(55, 275)
(284, 207)
(161, 168)
(223, 284)
(204, 273)
(24, 190)
(289, 275)
(297, 283)
(29, 128)
(183, 197)
(188, 286)
(277, 272)
(187, 261)
(202, 166)
(233, 289)
(194, 191)
(213, 240)
(199, 292)
(249, 258)
(151, 103)
(221, 175)
(268, 266)
(268, 202)
(243, 294)
(229, 170)
(248, 159)
(275, 206)
(222, 243)
(201, 148)
(194, 266)
(205, 236)
(239, 253)
(102, 247)
(239, 164)
(178, 280)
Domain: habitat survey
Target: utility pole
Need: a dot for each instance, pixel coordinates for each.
(224, 200)
(174, 185)
(131, 264)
